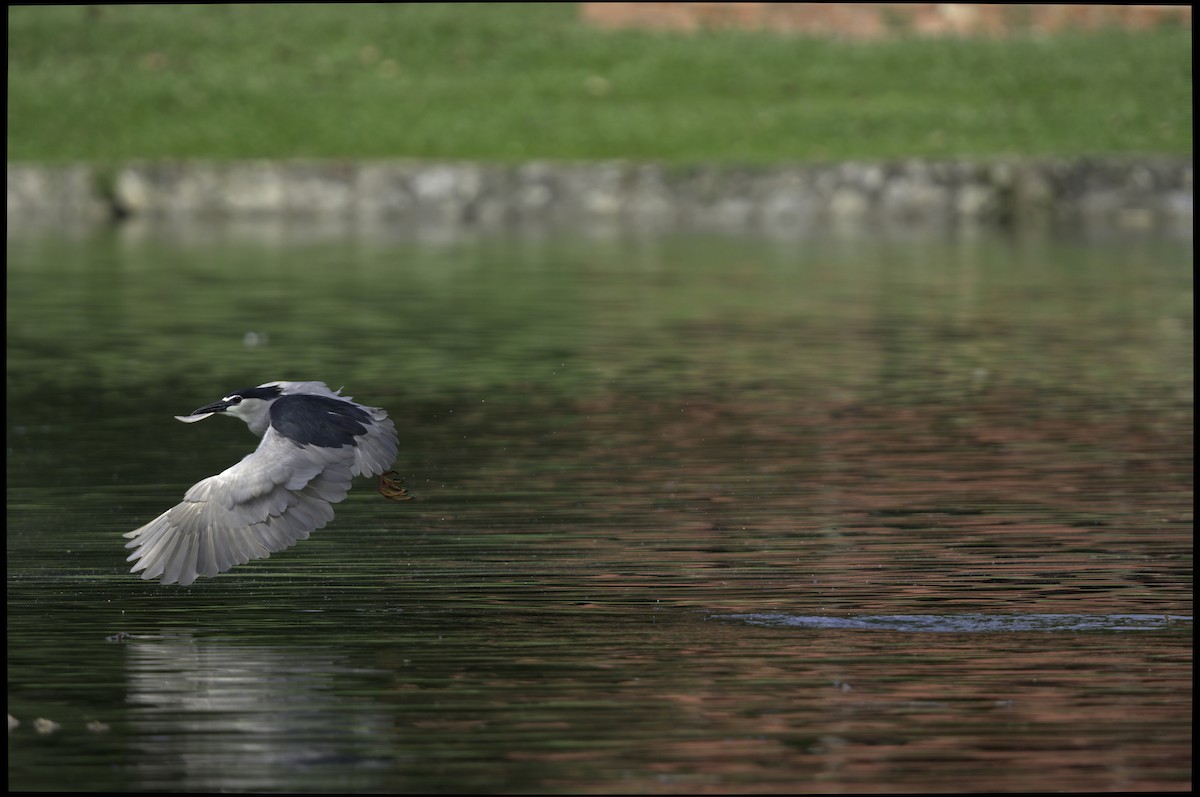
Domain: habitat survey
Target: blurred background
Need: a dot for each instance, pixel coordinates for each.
(795, 397)
(733, 82)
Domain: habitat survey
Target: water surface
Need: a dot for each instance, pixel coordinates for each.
(693, 513)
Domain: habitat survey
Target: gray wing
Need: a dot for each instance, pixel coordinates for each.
(267, 502)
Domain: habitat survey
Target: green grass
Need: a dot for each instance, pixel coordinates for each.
(509, 82)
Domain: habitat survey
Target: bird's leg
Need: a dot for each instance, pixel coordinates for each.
(391, 486)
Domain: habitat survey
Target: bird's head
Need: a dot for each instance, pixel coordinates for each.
(251, 404)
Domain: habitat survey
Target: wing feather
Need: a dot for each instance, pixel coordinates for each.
(206, 556)
(268, 501)
(376, 450)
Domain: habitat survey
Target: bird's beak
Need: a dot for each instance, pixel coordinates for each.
(203, 412)
(195, 416)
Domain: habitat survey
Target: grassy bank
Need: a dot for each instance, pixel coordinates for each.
(514, 81)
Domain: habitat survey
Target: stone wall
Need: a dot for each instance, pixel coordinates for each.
(869, 21)
(1134, 193)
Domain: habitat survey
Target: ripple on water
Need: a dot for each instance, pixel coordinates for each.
(968, 623)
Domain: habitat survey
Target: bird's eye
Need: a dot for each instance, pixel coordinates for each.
(234, 399)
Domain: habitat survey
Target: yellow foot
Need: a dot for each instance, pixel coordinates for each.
(391, 486)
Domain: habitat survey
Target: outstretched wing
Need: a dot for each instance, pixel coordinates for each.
(267, 502)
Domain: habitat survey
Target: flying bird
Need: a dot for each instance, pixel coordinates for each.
(314, 441)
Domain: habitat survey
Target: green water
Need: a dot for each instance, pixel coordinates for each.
(666, 487)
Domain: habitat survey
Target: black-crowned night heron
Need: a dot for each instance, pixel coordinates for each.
(313, 442)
